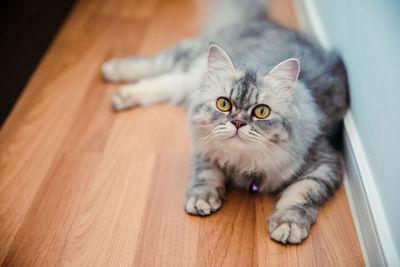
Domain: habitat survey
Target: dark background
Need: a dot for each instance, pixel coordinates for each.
(27, 28)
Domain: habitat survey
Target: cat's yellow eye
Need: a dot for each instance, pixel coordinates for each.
(261, 111)
(224, 104)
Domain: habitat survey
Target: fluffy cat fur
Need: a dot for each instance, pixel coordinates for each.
(251, 61)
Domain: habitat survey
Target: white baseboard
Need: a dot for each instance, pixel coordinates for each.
(366, 206)
(372, 228)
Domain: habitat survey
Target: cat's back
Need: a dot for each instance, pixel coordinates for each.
(264, 44)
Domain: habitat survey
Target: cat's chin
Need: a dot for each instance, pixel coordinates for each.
(237, 143)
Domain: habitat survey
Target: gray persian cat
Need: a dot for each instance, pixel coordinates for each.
(257, 118)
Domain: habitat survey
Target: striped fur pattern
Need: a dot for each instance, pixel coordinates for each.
(251, 62)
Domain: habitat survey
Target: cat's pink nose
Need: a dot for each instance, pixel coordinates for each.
(238, 123)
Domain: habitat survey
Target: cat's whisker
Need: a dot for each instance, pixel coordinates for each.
(208, 139)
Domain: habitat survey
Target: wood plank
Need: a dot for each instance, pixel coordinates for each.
(106, 230)
(28, 151)
(41, 238)
(168, 235)
(38, 124)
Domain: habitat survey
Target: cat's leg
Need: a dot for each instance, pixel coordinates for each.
(171, 87)
(128, 69)
(298, 207)
(206, 190)
(134, 68)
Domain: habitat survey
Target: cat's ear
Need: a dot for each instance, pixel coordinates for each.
(284, 75)
(218, 61)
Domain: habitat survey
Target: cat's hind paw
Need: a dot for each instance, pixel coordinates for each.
(120, 102)
(110, 71)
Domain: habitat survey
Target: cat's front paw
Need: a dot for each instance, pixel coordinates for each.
(286, 229)
(288, 232)
(203, 200)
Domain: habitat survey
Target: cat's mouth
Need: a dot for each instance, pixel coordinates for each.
(236, 136)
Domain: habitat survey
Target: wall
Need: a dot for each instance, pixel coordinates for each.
(367, 35)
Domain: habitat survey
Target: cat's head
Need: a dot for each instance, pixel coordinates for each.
(243, 109)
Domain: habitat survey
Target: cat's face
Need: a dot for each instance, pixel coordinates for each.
(242, 109)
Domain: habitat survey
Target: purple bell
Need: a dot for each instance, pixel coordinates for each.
(254, 188)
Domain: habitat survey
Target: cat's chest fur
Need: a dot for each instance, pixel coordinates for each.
(243, 166)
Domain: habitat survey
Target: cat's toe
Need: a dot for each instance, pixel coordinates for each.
(203, 207)
(190, 205)
(121, 102)
(288, 232)
(117, 102)
(215, 203)
(110, 71)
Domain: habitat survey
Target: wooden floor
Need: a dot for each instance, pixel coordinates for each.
(83, 186)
